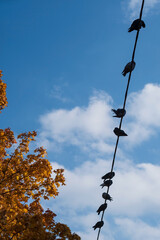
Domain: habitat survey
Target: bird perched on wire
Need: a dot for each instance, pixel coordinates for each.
(120, 112)
(102, 208)
(107, 183)
(108, 175)
(106, 196)
(128, 68)
(136, 25)
(119, 132)
(98, 225)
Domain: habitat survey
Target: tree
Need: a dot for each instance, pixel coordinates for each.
(25, 179)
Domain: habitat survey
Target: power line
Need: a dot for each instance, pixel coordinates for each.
(124, 104)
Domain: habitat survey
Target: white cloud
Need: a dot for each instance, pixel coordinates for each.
(83, 185)
(134, 188)
(57, 93)
(89, 220)
(144, 105)
(134, 191)
(88, 127)
(91, 127)
(143, 111)
(137, 229)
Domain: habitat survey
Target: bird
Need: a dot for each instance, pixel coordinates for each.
(106, 196)
(102, 208)
(98, 225)
(136, 25)
(119, 132)
(120, 112)
(108, 175)
(107, 183)
(128, 68)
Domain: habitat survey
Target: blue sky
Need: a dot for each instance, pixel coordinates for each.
(62, 62)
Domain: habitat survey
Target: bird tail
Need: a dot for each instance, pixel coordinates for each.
(124, 73)
(94, 227)
(143, 24)
(98, 213)
(130, 29)
(113, 110)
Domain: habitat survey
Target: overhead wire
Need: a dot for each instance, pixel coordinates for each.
(124, 104)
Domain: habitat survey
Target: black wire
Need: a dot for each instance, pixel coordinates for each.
(124, 104)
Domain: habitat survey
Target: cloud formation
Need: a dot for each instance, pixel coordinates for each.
(133, 184)
(87, 127)
(91, 127)
(134, 193)
(134, 188)
(144, 114)
(57, 93)
(137, 229)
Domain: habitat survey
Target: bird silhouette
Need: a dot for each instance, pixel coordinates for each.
(136, 25)
(120, 112)
(106, 196)
(108, 175)
(119, 132)
(128, 68)
(102, 208)
(98, 225)
(107, 183)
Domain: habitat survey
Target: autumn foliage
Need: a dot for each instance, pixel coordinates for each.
(3, 98)
(26, 178)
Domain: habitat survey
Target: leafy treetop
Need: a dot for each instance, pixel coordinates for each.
(25, 179)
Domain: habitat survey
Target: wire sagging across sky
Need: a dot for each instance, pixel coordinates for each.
(120, 113)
